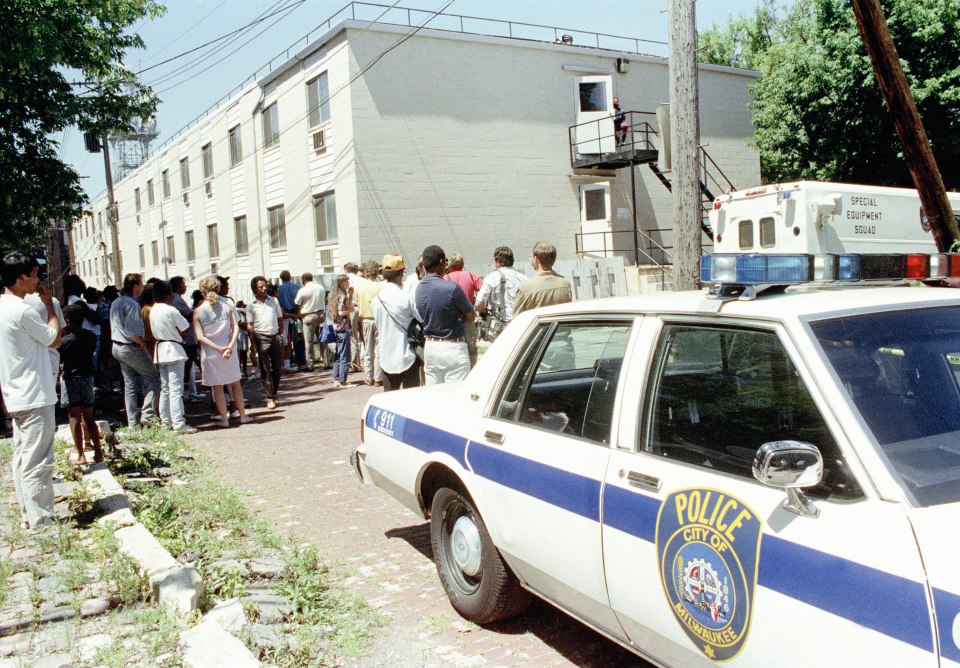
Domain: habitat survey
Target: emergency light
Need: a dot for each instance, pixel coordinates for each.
(785, 269)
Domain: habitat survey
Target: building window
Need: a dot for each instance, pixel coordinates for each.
(240, 234)
(271, 126)
(165, 180)
(213, 240)
(171, 251)
(143, 259)
(278, 228)
(155, 252)
(207, 154)
(325, 217)
(150, 199)
(318, 102)
(191, 248)
(136, 199)
(185, 173)
(594, 203)
(236, 147)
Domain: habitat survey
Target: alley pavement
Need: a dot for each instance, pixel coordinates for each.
(294, 462)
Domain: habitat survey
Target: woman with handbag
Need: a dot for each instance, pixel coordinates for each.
(340, 306)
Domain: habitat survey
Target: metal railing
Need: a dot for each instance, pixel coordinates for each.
(635, 134)
(713, 180)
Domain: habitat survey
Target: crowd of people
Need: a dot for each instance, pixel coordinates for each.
(145, 340)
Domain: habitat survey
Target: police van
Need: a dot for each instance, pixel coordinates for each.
(765, 472)
(816, 217)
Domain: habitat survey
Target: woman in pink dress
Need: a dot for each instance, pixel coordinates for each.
(215, 324)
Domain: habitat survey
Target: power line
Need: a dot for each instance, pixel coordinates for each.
(214, 41)
(217, 45)
(187, 31)
(376, 59)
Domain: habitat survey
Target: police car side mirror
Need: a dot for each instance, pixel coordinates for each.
(791, 466)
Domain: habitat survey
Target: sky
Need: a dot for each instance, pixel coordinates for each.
(188, 24)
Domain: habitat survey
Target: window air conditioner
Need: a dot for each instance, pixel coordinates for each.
(319, 141)
(208, 188)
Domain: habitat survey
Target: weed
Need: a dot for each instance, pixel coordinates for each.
(159, 628)
(220, 583)
(65, 470)
(112, 655)
(82, 499)
(124, 579)
(6, 570)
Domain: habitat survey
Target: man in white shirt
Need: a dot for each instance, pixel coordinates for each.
(264, 317)
(311, 298)
(499, 290)
(168, 327)
(28, 384)
(393, 310)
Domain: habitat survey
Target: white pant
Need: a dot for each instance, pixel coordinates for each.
(445, 362)
(33, 431)
(371, 355)
(171, 395)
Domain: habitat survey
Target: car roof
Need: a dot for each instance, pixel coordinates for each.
(795, 302)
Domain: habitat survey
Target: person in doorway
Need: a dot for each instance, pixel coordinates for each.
(169, 328)
(140, 376)
(619, 122)
(28, 384)
(76, 353)
(443, 309)
(470, 283)
(340, 308)
(393, 310)
(215, 326)
(264, 320)
(547, 287)
(499, 290)
(310, 302)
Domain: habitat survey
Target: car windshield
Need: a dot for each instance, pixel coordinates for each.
(901, 369)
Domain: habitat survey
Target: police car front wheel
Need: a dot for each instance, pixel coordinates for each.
(479, 584)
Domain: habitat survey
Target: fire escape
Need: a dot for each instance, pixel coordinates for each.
(599, 145)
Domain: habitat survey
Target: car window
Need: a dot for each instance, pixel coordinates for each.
(901, 370)
(720, 393)
(574, 384)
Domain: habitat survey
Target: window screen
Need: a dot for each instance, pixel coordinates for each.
(745, 228)
(768, 232)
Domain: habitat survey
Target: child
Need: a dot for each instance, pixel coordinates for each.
(77, 347)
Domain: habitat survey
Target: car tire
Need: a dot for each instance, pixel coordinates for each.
(478, 583)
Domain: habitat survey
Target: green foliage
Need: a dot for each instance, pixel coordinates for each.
(6, 570)
(818, 110)
(220, 583)
(82, 499)
(61, 65)
(124, 579)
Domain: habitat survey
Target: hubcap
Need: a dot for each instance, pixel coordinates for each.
(466, 546)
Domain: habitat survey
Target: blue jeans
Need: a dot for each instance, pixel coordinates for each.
(140, 378)
(296, 338)
(341, 363)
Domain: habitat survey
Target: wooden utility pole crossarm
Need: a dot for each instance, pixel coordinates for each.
(906, 120)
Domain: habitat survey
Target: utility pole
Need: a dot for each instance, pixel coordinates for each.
(685, 126)
(114, 217)
(906, 120)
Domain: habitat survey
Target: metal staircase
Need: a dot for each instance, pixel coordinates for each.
(600, 145)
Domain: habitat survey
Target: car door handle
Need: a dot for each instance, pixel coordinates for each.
(494, 437)
(642, 480)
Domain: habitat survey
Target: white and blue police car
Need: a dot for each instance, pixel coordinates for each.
(766, 472)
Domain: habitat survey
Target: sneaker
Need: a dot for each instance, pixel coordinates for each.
(271, 404)
(187, 429)
(220, 422)
(234, 414)
(254, 376)
(246, 419)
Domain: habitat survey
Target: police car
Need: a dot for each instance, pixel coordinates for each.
(765, 471)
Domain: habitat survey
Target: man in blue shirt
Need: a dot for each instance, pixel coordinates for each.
(443, 308)
(287, 296)
(140, 376)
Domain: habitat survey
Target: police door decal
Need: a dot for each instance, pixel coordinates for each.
(708, 547)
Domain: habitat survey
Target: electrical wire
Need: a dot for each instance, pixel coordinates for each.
(185, 32)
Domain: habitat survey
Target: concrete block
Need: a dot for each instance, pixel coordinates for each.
(207, 645)
(180, 587)
(146, 550)
(229, 615)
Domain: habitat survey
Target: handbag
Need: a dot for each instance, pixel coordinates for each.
(326, 334)
(494, 323)
(416, 337)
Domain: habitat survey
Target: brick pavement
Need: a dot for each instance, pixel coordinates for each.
(295, 463)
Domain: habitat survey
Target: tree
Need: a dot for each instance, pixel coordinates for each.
(818, 110)
(60, 65)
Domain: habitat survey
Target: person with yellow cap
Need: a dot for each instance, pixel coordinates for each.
(393, 311)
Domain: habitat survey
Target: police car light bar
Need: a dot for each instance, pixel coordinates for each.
(783, 269)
